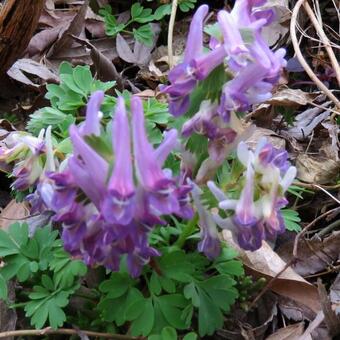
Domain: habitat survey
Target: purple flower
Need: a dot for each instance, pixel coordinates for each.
(93, 115)
(268, 175)
(160, 188)
(183, 77)
(118, 205)
(107, 213)
(210, 243)
(89, 169)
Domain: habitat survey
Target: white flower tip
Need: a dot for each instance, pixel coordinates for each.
(288, 177)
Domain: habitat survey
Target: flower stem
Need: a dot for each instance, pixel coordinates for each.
(187, 231)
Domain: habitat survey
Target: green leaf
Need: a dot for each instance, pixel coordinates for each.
(171, 306)
(190, 336)
(176, 266)
(56, 315)
(47, 282)
(141, 14)
(233, 267)
(291, 219)
(65, 269)
(162, 11)
(190, 292)
(46, 304)
(210, 317)
(169, 333)
(144, 323)
(116, 286)
(155, 285)
(144, 34)
(83, 78)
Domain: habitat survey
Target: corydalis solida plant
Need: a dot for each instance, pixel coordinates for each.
(108, 202)
(108, 213)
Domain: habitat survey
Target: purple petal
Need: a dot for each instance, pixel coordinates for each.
(194, 44)
(93, 165)
(92, 121)
(118, 205)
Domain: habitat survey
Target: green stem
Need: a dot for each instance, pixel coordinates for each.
(188, 231)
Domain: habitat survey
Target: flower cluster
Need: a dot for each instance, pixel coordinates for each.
(240, 47)
(32, 156)
(107, 211)
(256, 213)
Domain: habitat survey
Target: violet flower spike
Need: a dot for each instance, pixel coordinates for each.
(93, 115)
(118, 205)
(91, 171)
(149, 172)
(182, 76)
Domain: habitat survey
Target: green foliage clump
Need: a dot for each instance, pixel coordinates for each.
(43, 268)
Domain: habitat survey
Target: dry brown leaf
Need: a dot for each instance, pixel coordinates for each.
(272, 137)
(317, 170)
(315, 255)
(12, 213)
(290, 97)
(31, 67)
(43, 40)
(75, 27)
(291, 332)
(264, 262)
(334, 295)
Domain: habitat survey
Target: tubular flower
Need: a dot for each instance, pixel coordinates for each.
(32, 156)
(256, 213)
(238, 44)
(195, 66)
(210, 243)
(108, 210)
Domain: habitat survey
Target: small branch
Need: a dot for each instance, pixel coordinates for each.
(302, 60)
(310, 225)
(324, 40)
(171, 32)
(65, 331)
(293, 259)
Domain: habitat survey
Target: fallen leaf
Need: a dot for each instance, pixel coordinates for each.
(43, 40)
(293, 310)
(306, 122)
(315, 255)
(291, 332)
(290, 97)
(75, 28)
(264, 262)
(334, 295)
(334, 131)
(12, 213)
(317, 169)
(32, 67)
(141, 54)
(272, 137)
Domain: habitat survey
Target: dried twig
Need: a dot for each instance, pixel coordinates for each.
(171, 32)
(302, 60)
(293, 259)
(64, 331)
(310, 225)
(324, 40)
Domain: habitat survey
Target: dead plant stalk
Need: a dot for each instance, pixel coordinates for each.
(304, 64)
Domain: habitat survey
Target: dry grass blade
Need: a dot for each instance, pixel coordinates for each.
(304, 64)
